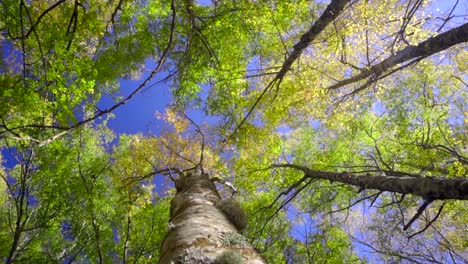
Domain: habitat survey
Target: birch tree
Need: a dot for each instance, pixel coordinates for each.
(332, 129)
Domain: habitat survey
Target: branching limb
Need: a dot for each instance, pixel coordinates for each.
(179, 155)
(402, 256)
(44, 63)
(435, 188)
(461, 80)
(409, 13)
(287, 191)
(394, 200)
(167, 171)
(114, 15)
(72, 25)
(282, 204)
(449, 16)
(426, 48)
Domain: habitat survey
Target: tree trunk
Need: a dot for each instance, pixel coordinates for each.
(198, 229)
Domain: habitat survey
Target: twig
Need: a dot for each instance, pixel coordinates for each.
(449, 16)
(418, 213)
(354, 203)
(200, 163)
(430, 222)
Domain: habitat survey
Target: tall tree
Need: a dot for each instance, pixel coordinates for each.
(335, 128)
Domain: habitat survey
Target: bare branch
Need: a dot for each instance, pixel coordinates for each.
(430, 222)
(167, 171)
(449, 16)
(418, 213)
(200, 163)
(282, 204)
(375, 195)
(114, 14)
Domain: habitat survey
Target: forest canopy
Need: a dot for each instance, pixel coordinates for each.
(341, 127)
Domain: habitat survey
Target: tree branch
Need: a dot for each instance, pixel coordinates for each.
(40, 18)
(430, 222)
(332, 11)
(424, 49)
(429, 188)
(130, 96)
(421, 209)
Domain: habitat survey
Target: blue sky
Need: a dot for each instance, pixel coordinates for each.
(138, 115)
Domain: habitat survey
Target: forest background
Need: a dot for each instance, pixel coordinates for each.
(99, 99)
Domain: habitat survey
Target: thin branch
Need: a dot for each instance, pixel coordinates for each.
(167, 171)
(375, 198)
(44, 64)
(173, 179)
(39, 18)
(148, 236)
(379, 154)
(449, 16)
(23, 48)
(375, 195)
(430, 222)
(395, 254)
(418, 213)
(114, 14)
(281, 206)
(127, 233)
(179, 155)
(72, 25)
(409, 13)
(131, 95)
(461, 80)
(286, 192)
(398, 201)
(265, 90)
(200, 162)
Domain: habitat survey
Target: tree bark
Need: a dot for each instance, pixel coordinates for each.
(198, 228)
(430, 188)
(333, 10)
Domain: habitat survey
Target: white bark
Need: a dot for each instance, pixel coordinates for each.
(197, 227)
